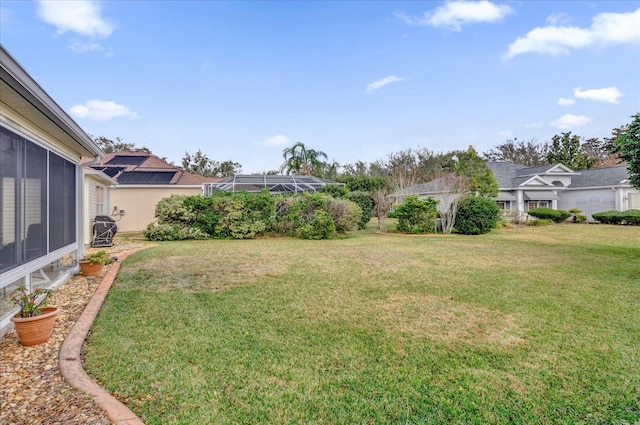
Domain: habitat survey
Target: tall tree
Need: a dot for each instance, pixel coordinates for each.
(600, 151)
(567, 150)
(199, 163)
(117, 145)
(530, 153)
(299, 159)
(481, 180)
(451, 189)
(628, 147)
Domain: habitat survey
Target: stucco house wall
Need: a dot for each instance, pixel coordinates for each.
(97, 200)
(139, 203)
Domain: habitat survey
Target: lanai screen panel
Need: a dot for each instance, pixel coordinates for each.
(275, 184)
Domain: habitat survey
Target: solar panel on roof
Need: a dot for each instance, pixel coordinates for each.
(146, 177)
(127, 160)
(112, 171)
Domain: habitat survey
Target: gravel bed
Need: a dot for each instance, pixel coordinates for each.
(32, 390)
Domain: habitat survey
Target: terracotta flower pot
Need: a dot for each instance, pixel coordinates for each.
(89, 269)
(35, 330)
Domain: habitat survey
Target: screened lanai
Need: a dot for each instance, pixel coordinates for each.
(275, 184)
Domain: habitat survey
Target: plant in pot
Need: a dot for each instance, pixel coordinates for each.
(34, 322)
(92, 264)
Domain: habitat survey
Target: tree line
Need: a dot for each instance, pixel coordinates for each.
(417, 165)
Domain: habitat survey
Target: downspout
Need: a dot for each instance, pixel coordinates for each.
(80, 203)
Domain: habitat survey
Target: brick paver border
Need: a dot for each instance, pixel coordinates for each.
(69, 358)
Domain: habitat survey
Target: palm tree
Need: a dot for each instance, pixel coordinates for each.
(298, 159)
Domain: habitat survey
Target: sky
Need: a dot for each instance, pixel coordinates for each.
(358, 80)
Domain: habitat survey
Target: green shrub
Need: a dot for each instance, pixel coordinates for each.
(477, 215)
(558, 216)
(629, 217)
(172, 232)
(608, 217)
(319, 226)
(247, 215)
(361, 183)
(346, 215)
(172, 210)
(303, 216)
(238, 221)
(366, 204)
(335, 190)
(417, 215)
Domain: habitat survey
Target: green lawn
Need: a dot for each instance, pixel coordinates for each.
(532, 325)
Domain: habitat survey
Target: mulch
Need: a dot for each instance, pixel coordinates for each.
(32, 391)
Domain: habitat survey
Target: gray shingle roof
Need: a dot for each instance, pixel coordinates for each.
(505, 172)
(595, 177)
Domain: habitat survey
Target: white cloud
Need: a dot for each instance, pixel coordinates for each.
(278, 140)
(453, 14)
(82, 47)
(534, 125)
(569, 121)
(566, 102)
(101, 110)
(505, 133)
(80, 16)
(558, 19)
(606, 29)
(608, 94)
(383, 82)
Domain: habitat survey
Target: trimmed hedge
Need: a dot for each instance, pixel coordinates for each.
(629, 217)
(477, 215)
(558, 216)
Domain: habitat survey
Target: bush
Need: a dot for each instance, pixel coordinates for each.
(346, 215)
(247, 215)
(335, 190)
(305, 216)
(172, 232)
(417, 215)
(361, 183)
(366, 204)
(172, 210)
(319, 226)
(477, 215)
(558, 216)
(629, 217)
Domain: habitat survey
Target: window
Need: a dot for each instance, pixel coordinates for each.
(504, 205)
(537, 204)
(100, 201)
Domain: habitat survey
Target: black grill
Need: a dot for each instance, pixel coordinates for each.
(104, 229)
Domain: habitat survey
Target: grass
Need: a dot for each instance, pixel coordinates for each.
(532, 325)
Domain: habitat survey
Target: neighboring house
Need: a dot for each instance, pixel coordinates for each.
(143, 180)
(41, 174)
(97, 195)
(600, 189)
(522, 188)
